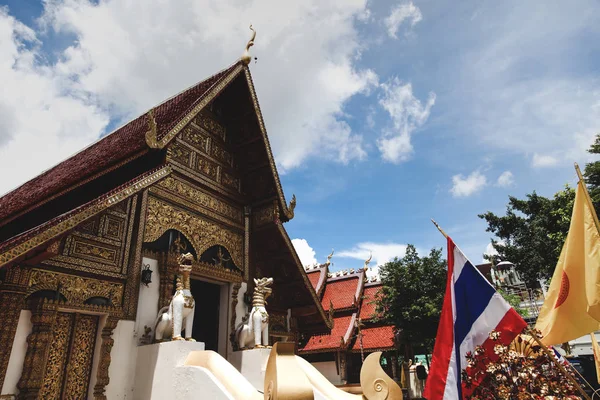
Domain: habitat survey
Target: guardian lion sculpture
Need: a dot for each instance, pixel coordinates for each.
(257, 328)
(171, 318)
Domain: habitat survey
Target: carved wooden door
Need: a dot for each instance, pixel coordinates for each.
(70, 357)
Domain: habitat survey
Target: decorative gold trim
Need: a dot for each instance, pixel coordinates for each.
(234, 302)
(102, 377)
(132, 286)
(75, 288)
(71, 222)
(213, 271)
(213, 92)
(81, 265)
(151, 134)
(201, 232)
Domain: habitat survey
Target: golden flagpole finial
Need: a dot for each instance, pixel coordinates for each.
(246, 56)
(439, 228)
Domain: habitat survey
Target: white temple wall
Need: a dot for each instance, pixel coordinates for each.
(329, 371)
(17, 354)
(147, 308)
(123, 362)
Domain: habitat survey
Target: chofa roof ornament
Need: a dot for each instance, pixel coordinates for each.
(246, 58)
(368, 261)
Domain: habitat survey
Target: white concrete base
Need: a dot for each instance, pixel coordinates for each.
(157, 373)
(252, 364)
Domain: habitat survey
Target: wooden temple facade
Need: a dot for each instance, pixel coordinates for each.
(349, 298)
(88, 248)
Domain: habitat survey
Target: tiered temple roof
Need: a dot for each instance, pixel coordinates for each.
(349, 297)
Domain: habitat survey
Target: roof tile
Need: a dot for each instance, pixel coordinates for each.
(331, 341)
(379, 337)
(341, 293)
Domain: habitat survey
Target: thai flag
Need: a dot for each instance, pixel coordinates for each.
(472, 309)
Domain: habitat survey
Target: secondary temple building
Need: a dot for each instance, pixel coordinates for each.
(89, 249)
(349, 296)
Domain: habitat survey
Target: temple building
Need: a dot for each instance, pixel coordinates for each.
(89, 249)
(349, 296)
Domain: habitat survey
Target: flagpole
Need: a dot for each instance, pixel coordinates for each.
(555, 361)
(588, 198)
(439, 228)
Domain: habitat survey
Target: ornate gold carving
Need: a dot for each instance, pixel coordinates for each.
(43, 317)
(71, 222)
(188, 193)
(195, 138)
(132, 286)
(179, 153)
(216, 272)
(265, 215)
(151, 134)
(113, 228)
(75, 288)
(230, 181)
(201, 233)
(221, 154)
(216, 89)
(80, 357)
(57, 357)
(102, 378)
(206, 167)
(212, 126)
(94, 252)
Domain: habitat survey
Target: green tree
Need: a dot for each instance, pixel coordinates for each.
(532, 232)
(515, 302)
(412, 295)
(592, 174)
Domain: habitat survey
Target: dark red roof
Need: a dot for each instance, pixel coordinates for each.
(367, 308)
(112, 149)
(331, 341)
(380, 337)
(314, 277)
(341, 293)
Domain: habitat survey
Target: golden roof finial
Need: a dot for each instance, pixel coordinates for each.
(328, 262)
(368, 260)
(246, 56)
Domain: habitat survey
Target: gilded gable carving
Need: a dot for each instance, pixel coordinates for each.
(212, 126)
(75, 288)
(201, 232)
(230, 181)
(179, 153)
(187, 193)
(221, 154)
(98, 245)
(206, 167)
(195, 138)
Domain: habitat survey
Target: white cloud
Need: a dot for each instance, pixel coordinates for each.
(382, 253)
(407, 114)
(506, 179)
(41, 120)
(466, 186)
(543, 161)
(305, 252)
(403, 12)
(123, 60)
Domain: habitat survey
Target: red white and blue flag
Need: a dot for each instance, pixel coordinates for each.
(472, 309)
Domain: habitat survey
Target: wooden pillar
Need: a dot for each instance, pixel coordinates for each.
(43, 318)
(12, 301)
(343, 367)
(102, 378)
(394, 358)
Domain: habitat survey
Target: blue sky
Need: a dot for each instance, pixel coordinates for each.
(381, 115)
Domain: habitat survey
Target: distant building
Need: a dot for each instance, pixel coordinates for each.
(349, 296)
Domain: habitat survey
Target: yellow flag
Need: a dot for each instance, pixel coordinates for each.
(572, 306)
(596, 354)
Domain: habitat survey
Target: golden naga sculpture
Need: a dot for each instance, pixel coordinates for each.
(246, 58)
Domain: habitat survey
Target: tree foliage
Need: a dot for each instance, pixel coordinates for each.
(412, 295)
(532, 232)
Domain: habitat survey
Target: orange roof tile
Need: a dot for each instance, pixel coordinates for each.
(331, 341)
(313, 277)
(367, 308)
(341, 293)
(380, 337)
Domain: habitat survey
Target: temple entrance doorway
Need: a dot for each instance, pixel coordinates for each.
(206, 316)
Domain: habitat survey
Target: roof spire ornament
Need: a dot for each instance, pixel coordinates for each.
(246, 56)
(328, 262)
(368, 260)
